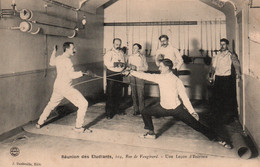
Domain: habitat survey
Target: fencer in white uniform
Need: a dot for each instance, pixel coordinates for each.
(63, 87)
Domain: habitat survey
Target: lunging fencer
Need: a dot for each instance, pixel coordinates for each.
(173, 102)
(166, 51)
(137, 62)
(63, 87)
(115, 63)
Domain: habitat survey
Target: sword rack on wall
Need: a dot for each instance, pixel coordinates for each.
(159, 23)
(36, 22)
(9, 12)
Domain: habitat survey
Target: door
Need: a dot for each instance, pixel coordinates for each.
(240, 84)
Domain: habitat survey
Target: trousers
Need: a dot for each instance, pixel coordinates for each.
(74, 96)
(180, 113)
(224, 102)
(113, 95)
(137, 88)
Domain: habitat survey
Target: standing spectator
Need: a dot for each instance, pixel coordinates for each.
(137, 62)
(167, 51)
(115, 62)
(224, 102)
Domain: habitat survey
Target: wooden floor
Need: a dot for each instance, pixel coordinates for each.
(118, 138)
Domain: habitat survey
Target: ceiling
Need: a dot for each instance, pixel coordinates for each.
(88, 5)
(91, 5)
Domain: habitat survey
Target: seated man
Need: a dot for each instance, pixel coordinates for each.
(172, 95)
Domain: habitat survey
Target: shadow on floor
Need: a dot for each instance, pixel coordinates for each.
(165, 127)
(95, 121)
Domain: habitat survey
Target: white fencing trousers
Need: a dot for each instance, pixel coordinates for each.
(74, 96)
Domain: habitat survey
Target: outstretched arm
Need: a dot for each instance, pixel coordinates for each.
(149, 77)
